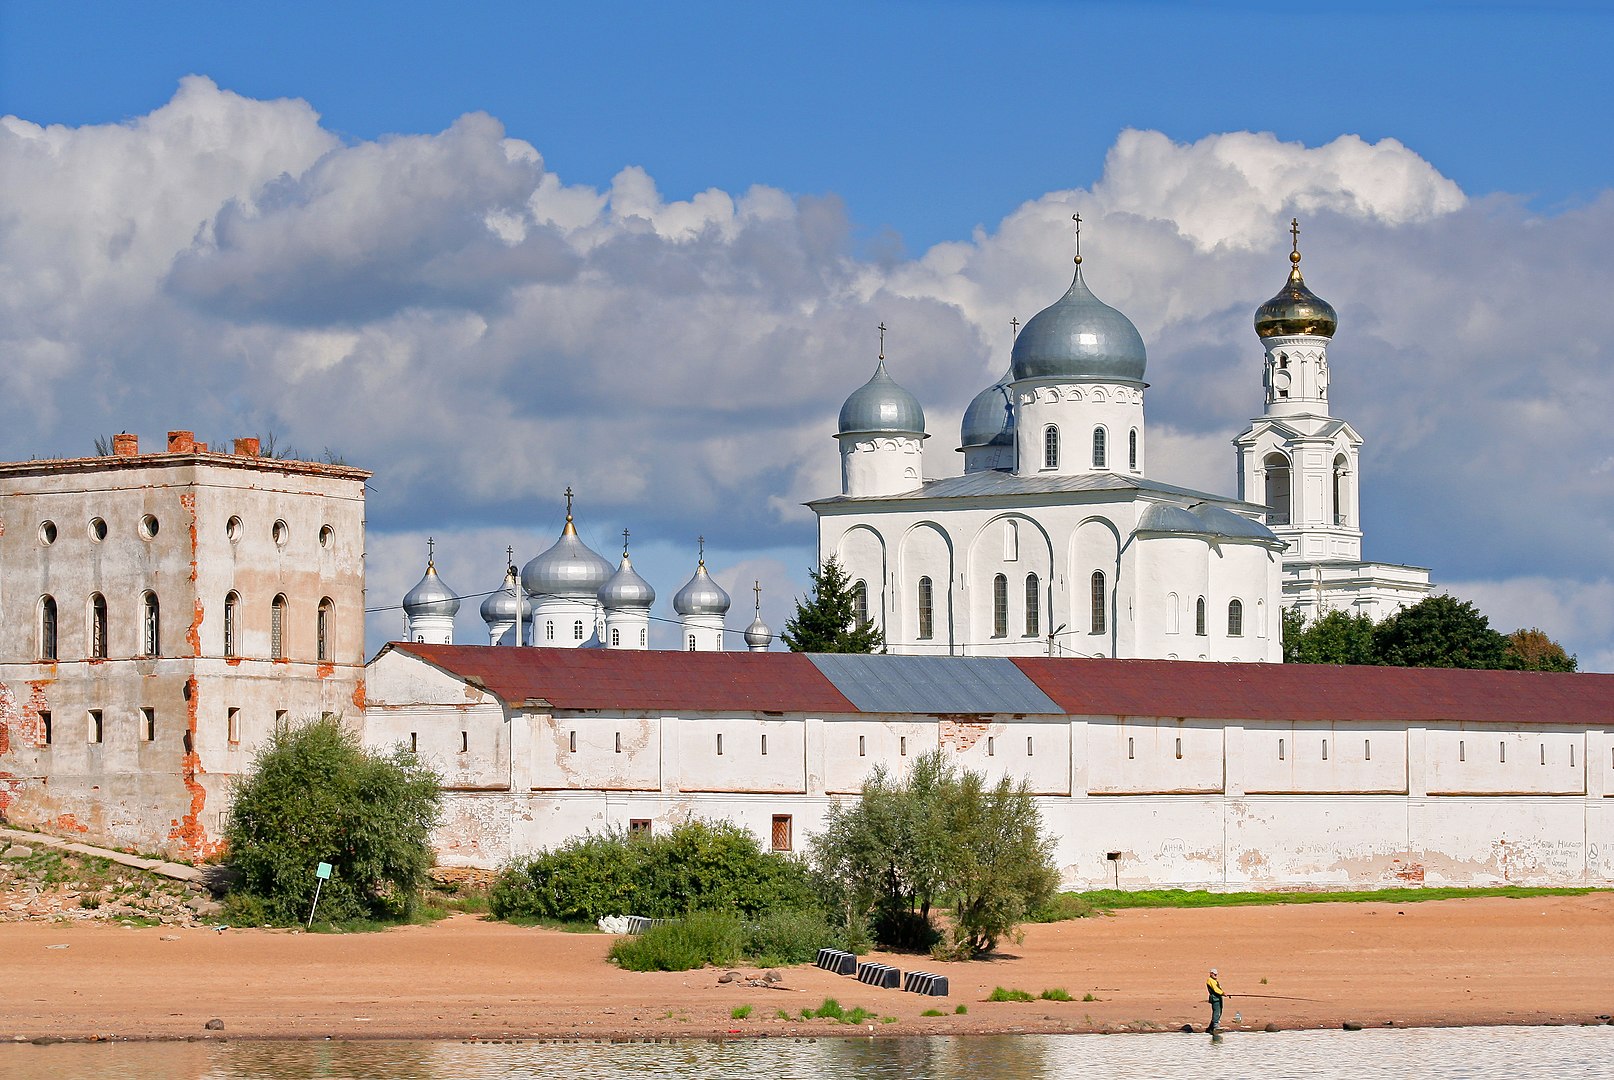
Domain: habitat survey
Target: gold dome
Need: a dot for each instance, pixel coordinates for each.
(1296, 309)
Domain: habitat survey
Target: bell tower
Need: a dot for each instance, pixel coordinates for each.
(1297, 459)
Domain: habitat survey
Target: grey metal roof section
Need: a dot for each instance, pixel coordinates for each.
(1001, 483)
(933, 684)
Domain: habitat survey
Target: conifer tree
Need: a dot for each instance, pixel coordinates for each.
(826, 621)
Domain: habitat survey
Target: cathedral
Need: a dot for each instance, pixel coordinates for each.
(569, 597)
(1055, 541)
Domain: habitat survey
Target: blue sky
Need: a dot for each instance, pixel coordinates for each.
(928, 119)
(492, 250)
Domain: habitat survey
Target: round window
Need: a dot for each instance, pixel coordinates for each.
(326, 535)
(97, 529)
(281, 533)
(148, 527)
(47, 533)
(232, 529)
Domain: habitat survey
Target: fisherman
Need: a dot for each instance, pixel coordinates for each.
(1213, 988)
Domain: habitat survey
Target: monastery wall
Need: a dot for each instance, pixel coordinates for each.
(1186, 802)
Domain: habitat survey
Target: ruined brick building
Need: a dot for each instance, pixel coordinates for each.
(162, 612)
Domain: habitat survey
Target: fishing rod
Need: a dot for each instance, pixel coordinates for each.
(1276, 997)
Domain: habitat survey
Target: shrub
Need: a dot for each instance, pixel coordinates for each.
(1000, 994)
(937, 836)
(705, 937)
(696, 866)
(790, 937)
(1058, 993)
(313, 795)
(739, 1012)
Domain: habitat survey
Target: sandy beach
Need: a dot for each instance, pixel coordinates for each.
(1456, 962)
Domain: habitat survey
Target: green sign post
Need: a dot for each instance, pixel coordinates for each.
(322, 874)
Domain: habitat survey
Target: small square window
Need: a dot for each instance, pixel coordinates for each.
(639, 826)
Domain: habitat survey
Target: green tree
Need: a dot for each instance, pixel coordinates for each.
(1533, 650)
(1294, 627)
(313, 795)
(1337, 638)
(1439, 631)
(1001, 868)
(938, 837)
(826, 622)
(883, 859)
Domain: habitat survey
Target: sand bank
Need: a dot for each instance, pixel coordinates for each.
(1482, 961)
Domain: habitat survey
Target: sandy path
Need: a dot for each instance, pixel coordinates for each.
(1488, 961)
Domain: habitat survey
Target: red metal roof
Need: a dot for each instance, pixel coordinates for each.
(627, 681)
(1320, 692)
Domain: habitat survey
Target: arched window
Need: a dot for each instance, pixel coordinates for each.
(1235, 618)
(1100, 598)
(1033, 606)
(644, 636)
(1199, 616)
(1132, 450)
(1173, 613)
(47, 628)
(1277, 477)
(616, 637)
(1011, 540)
(98, 626)
(232, 624)
(151, 640)
(323, 629)
(549, 629)
(1341, 466)
(1100, 457)
(860, 603)
(1000, 606)
(577, 630)
(1050, 447)
(927, 610)
(692, 648)
(277, 627)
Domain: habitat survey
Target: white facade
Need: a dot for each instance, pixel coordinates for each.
(1184, 801)
(1054, 541)
(196, 600)
(1304, 466)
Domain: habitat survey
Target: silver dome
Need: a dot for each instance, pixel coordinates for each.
(430, 597)
(570, 568)
(1170, 518)
(701, 595)
(758, 635)
(989, 420)
(1220, 521)
(626, 589)
(1079, 337)
(500, 605)
(881, 405)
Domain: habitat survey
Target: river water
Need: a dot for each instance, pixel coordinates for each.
(1475, 1053)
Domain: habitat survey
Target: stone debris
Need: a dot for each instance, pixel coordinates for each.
(58, 883)
(214, 1024)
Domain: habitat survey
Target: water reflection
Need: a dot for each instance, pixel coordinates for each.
(1509, 1053)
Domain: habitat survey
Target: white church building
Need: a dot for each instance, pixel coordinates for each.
(1055, 541)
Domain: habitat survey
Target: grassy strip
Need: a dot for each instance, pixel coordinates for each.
(1077, 905)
